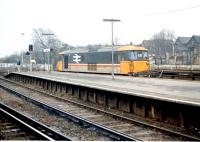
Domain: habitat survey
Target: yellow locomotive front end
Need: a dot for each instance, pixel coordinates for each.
(134, 59)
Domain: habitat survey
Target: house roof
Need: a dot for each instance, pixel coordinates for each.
(194, 41)
(197, 38)
(182, 40)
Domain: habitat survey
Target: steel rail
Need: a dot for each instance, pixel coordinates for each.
(100, 128)
(175, 74)
(5, 111)
(43, 131)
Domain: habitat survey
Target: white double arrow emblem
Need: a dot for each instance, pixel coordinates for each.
(76, 58)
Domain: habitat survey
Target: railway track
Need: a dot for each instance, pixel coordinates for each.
(175, 74)
(17, 126)
(110, 123)
(85, 122)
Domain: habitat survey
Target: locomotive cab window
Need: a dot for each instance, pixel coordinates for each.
(145, 55)
(140, 56)
(133, 55)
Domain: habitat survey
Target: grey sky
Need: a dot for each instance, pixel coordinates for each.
(79, 22)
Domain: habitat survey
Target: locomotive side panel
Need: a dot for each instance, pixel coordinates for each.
(99, 62)
(127, 59)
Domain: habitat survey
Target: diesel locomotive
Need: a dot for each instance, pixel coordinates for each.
(128, 59)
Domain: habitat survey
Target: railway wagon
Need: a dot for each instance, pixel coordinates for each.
(127, 60)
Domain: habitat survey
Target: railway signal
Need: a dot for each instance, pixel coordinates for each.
(30, 49)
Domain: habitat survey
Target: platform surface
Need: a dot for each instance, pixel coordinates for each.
(179, 91)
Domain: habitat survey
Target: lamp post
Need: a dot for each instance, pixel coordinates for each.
(112, 20)
(174, 53)
(50, 49)
(22, 58)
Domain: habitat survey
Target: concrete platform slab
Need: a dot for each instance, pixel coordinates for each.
(178, 91)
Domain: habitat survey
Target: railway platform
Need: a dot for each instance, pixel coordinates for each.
(172, 101)
(179, 91)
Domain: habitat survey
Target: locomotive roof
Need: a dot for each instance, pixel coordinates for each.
(131, 47)
(104, 49)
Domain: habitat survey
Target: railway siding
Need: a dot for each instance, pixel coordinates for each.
(174, 107)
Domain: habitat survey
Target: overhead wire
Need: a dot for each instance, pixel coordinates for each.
(173, 11)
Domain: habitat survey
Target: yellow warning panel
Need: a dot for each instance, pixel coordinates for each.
(125, 67)
(140, 66)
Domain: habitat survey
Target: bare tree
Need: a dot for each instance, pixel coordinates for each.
(163, 42)
(160, 46)
(45, 38)
(165, 34)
